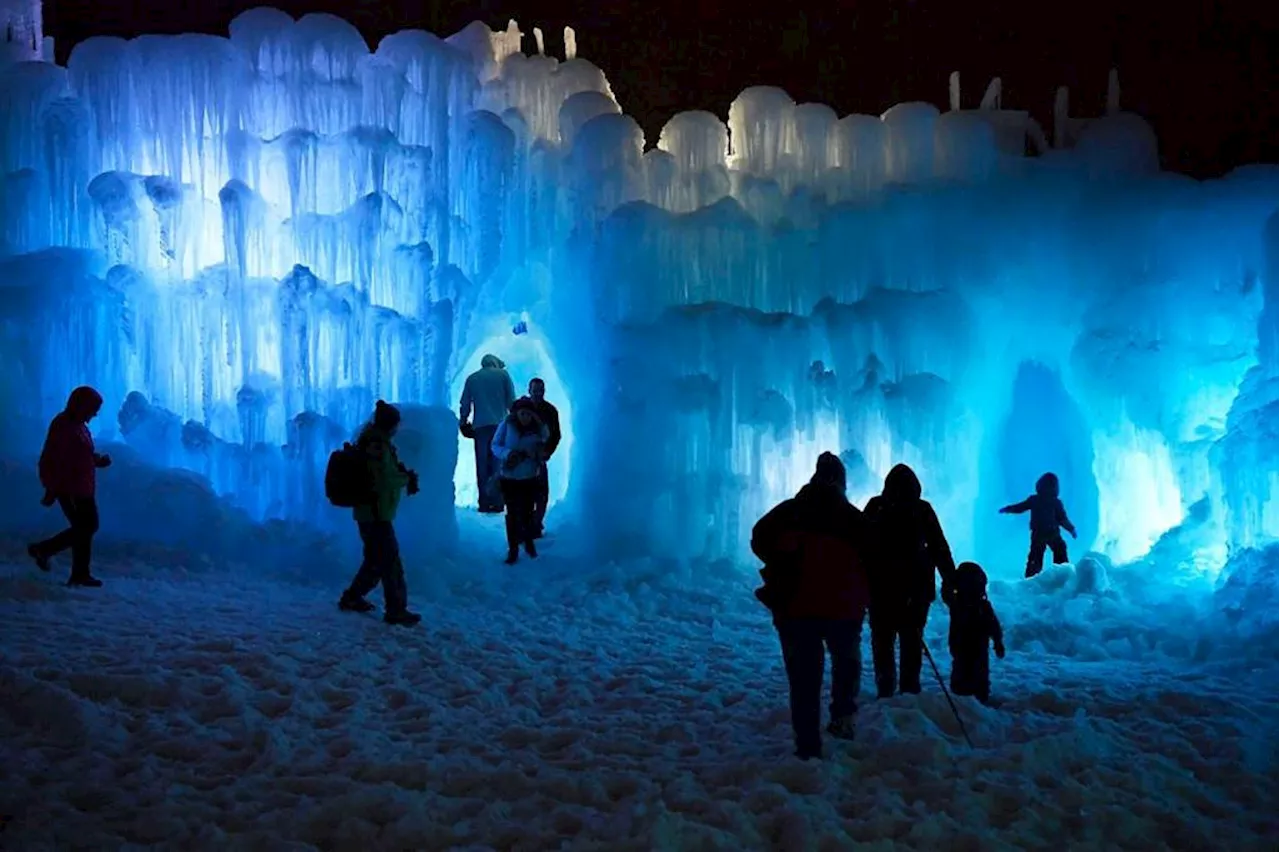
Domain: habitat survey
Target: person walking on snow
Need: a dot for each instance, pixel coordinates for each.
(975, 631)
(69, 473)
(550, 418)
(816, 587)
(388, 478)
(909, 551)
(487, 397)
(520, 447)
(1048, 515)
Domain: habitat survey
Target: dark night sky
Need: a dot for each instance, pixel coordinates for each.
(1204, 72)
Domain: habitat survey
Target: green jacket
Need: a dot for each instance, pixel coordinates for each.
(389, 478)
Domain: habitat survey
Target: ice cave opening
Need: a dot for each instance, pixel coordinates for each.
(525, 349)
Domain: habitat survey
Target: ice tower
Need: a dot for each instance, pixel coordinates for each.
(246, 240)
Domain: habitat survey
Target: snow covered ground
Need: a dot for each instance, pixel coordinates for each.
(564, 704)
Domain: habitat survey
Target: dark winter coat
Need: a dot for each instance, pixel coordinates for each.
(1047, 512)
(811, 547)
(907, 543)
(68, 463)
(550, 418)
(974, 627)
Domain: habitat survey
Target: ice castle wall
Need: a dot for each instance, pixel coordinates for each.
(244, 241)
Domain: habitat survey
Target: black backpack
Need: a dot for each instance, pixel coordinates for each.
(347, 480)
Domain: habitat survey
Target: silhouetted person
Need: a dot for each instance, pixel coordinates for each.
(69, 473)
(1047, 516)
(387, 478)
(520, 447)
(907, 547)
(550, 418)
(486, 398)
(974, 631)
(816, 588)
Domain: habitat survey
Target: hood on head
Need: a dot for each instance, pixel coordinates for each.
(901, 485)
(829, 471)
(491, 362)
(522, 404)
(971, 580)
(386, 416)
(1047, 485)
(83, 403)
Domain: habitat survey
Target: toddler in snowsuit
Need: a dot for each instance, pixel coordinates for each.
(974, 628)
(1047, 517)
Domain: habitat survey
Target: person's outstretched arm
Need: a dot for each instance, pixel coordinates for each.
(1017, 508)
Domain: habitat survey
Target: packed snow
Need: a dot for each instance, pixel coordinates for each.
(570, 704)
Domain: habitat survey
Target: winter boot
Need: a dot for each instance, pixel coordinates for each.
(351, 603)
(403, 618)
(42, 561)
(513, 555)
(88, 581)
(531, 549)
(842, 728)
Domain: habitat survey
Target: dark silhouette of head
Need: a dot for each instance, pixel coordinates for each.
(537, 389)
(901, 485)
(1047, 485)
(386, 417)
(84, 403)
(830, 472)
(491, 362)
(970, 582)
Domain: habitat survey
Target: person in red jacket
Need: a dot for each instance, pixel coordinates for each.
(68, 472)
(816, 587)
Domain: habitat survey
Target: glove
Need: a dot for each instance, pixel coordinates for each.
(514, 458)
(48, 499)
(103, 460)
(948, 592)
(1073, 532)
(1000, 650)
(412, 486)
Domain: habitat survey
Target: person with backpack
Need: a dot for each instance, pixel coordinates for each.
(816, 587)
(909, 550)
(370, 478)
(69, 468)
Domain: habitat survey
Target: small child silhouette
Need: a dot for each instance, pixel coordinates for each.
(1047, 516)
(974, 630)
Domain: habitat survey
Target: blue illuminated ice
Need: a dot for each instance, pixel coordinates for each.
(244, 241)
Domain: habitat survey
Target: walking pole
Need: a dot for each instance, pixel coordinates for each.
(954, 710)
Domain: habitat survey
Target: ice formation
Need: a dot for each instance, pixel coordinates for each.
(244, 241)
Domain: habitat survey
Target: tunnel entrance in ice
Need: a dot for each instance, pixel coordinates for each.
(526, 355)
(1043, 430)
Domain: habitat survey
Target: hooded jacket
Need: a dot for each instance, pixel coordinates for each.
(811, 546)
(68, 464)
(907, 542)
(488, 392)
(1047, 512)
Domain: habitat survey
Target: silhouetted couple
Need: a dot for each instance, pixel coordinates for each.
(826, 565)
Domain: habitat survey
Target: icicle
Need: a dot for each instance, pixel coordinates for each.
(991, 98)
(1113, 92)
(537, 37)
(570, 44)
(955, 90)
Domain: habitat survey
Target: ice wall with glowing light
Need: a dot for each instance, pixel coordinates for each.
(244, 241)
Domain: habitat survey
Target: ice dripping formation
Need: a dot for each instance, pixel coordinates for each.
(244, 241)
